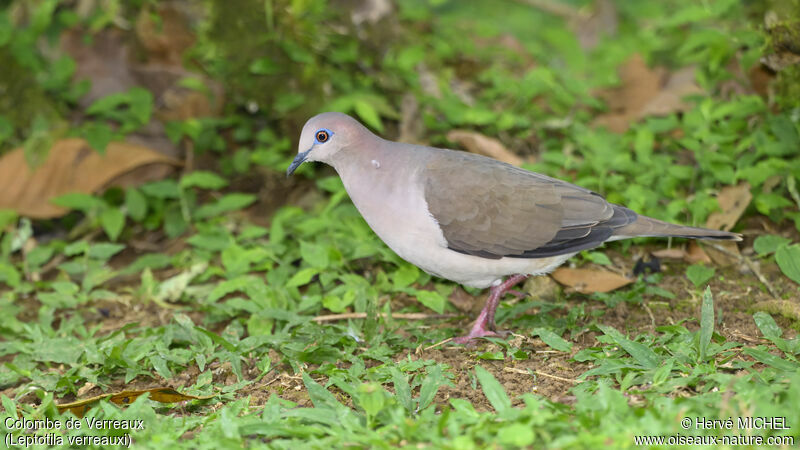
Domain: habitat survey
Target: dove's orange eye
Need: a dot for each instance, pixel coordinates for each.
(322, 136)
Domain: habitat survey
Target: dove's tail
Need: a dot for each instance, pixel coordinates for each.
(646, 227)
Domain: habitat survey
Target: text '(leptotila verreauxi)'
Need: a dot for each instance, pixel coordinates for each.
(466, 217)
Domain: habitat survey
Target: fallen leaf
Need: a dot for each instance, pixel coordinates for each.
(165, 38)
(670, 253)
(733, 201)
(71, 166)
(543, 288)
(643, 92)
(638, 85)
(484, 145)
(696, 254)
(727, 256)
(670, 99)
(587, 281)
(461, 300)
(163, 395)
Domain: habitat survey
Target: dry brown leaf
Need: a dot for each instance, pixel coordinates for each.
(587, 281)
(638, 85)
(644, 91)
(733, 201)
(461, 300)
(484, 145)
(163, 395)
(167, 37)
(670, 253)
(670, 99)
(71, 166)
(543, 288)
(723, 258)
(696, 254)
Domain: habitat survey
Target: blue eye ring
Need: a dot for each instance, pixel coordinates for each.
(322, 136)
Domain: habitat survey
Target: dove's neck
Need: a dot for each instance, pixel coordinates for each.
(381, 175)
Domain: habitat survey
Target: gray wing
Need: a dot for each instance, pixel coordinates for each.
(491, 209)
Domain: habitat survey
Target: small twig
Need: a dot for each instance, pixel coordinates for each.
(361, 315)
(650, 313)
(555, 377)
(751, 265)
(438, 344)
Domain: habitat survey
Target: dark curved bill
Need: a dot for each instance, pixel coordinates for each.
(299, 159)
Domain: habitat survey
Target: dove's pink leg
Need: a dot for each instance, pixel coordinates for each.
(484, 325)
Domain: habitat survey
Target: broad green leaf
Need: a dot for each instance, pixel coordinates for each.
(706, 323)
(319, 395)
(553, 340)
(404, 276)
(772, 360)
(641, 353)
(493, 391)
(768, 243)
(766, 324)
(227, 203)
(402, 390)
(81, 202)
(431, 299)
(788, 259)
(136, 204)
(98, 135)
(368, 114)
(434, 378)
(303, 276)
(112, 220)
(204, 180)
(698, 274)
(103, 250)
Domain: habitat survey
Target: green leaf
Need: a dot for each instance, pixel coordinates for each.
(493, 391)
(227, 203)
(698, 274)
(104, 250)
(641, 353)
(771, 360)
(80, 202)
(404, 276)
(402, 390)
(99, 135)
(315, 255)
(112, 220)
(768, 243)
(431, 299)
(319, 395)
(203, 179)
(517, 435)
(706, 323)
(136, 204)
(10, 407)
(766, 324)
(303, 276)
(553, 340)
(788, 259)
(430, 386)
(368, 114)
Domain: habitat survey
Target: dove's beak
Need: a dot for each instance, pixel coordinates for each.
(299, 159)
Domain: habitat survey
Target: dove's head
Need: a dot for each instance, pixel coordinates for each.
(325, 135)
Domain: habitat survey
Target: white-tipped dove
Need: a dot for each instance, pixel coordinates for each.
(469, 218)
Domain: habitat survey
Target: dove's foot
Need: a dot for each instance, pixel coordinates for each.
(484, 324)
